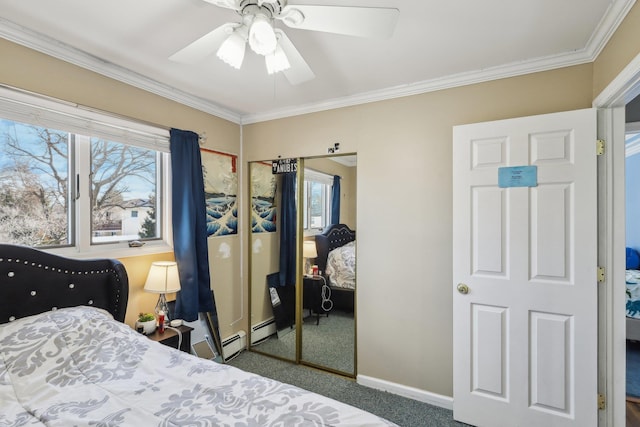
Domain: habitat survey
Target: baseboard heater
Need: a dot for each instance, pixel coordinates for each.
(263, 330)
(233, 345)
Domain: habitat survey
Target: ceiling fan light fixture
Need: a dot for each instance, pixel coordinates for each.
(232, 50)
(292, 17)
(262, 37)
(277, 61)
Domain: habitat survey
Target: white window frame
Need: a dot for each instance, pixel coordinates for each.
(43, 111)
(311, 175)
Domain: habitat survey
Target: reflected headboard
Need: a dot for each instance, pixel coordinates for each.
(33, 281)
(332, 237)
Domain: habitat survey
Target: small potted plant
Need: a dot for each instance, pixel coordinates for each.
(146, 321)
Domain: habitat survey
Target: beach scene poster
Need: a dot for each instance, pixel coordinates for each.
(220, 191)
(263, 193)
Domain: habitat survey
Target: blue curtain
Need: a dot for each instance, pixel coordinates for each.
(288, 230)
(335, 200)
(190, 227)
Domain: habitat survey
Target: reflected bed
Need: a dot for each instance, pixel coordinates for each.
(337, 262)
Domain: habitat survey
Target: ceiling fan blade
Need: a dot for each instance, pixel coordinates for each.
(227, 4)
(204, 46)
(299, 72)
(374, 22)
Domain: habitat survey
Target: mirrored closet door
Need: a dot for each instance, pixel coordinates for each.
(328, 226)
(312, 322)
(273, 221)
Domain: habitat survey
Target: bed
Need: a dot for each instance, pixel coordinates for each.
(67, 359)
(337, 262)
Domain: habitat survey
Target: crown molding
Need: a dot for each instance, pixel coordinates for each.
(606, 27)
(44, 44)
(41, 43)
(456, 80)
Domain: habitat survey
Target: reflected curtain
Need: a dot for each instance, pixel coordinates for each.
(288, 230)
(335, 200)
(189, 227)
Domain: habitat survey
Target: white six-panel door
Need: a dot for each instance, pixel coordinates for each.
(525, 333)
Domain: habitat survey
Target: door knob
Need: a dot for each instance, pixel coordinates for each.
(463, 289)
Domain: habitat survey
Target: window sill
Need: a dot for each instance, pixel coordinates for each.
(113, 251)
(312, 232)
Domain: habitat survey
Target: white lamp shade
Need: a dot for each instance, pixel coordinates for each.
(163, 278)
(309, 249)
(262, 37)
(232, 50)
(277, 61)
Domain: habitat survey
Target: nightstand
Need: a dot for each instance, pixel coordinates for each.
(171, 338)
(312, 296)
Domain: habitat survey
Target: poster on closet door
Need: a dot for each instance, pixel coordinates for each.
(263, 193)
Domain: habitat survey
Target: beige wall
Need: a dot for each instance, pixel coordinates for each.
(404, 224)
(36, 72)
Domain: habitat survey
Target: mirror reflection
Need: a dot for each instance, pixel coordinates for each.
(328, 280)
(273, 273)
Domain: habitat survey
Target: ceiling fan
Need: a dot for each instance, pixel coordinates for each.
(257, 29)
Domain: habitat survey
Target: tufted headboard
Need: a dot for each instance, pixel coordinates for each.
(33, 281)
(332, 237)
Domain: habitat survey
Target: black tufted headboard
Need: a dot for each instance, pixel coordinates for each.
(332, 237)
(32, 282)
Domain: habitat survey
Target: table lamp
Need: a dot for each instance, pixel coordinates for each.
(163, 279)
(308, 252)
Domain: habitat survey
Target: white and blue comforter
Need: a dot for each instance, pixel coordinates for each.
(79, 367)
(341, 266)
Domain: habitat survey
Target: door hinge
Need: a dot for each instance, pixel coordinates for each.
(602, 401)
(600, 147)
(601, 275)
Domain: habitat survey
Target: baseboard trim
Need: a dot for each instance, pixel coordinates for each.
(406, 391)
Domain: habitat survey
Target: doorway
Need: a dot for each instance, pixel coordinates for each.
(612, 243)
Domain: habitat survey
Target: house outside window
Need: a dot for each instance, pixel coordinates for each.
(60, 188)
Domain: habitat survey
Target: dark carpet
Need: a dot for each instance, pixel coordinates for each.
(400, 410)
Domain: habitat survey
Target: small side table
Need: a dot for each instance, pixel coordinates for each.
(171, 338)
(312, 296)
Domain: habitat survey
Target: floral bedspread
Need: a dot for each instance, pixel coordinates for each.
(341, 266)
(78, 366)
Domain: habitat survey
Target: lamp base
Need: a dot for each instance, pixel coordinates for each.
(164, 307)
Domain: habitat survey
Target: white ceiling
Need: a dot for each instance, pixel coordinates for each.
(436, 44)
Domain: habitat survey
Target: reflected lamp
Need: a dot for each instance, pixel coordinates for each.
(163, 279)
(308, 251)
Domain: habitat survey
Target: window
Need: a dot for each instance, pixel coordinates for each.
(123, 180)
(44, 200)
(34, 185)
(317, 199)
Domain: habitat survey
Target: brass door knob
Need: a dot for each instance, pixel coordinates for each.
(463, 289)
